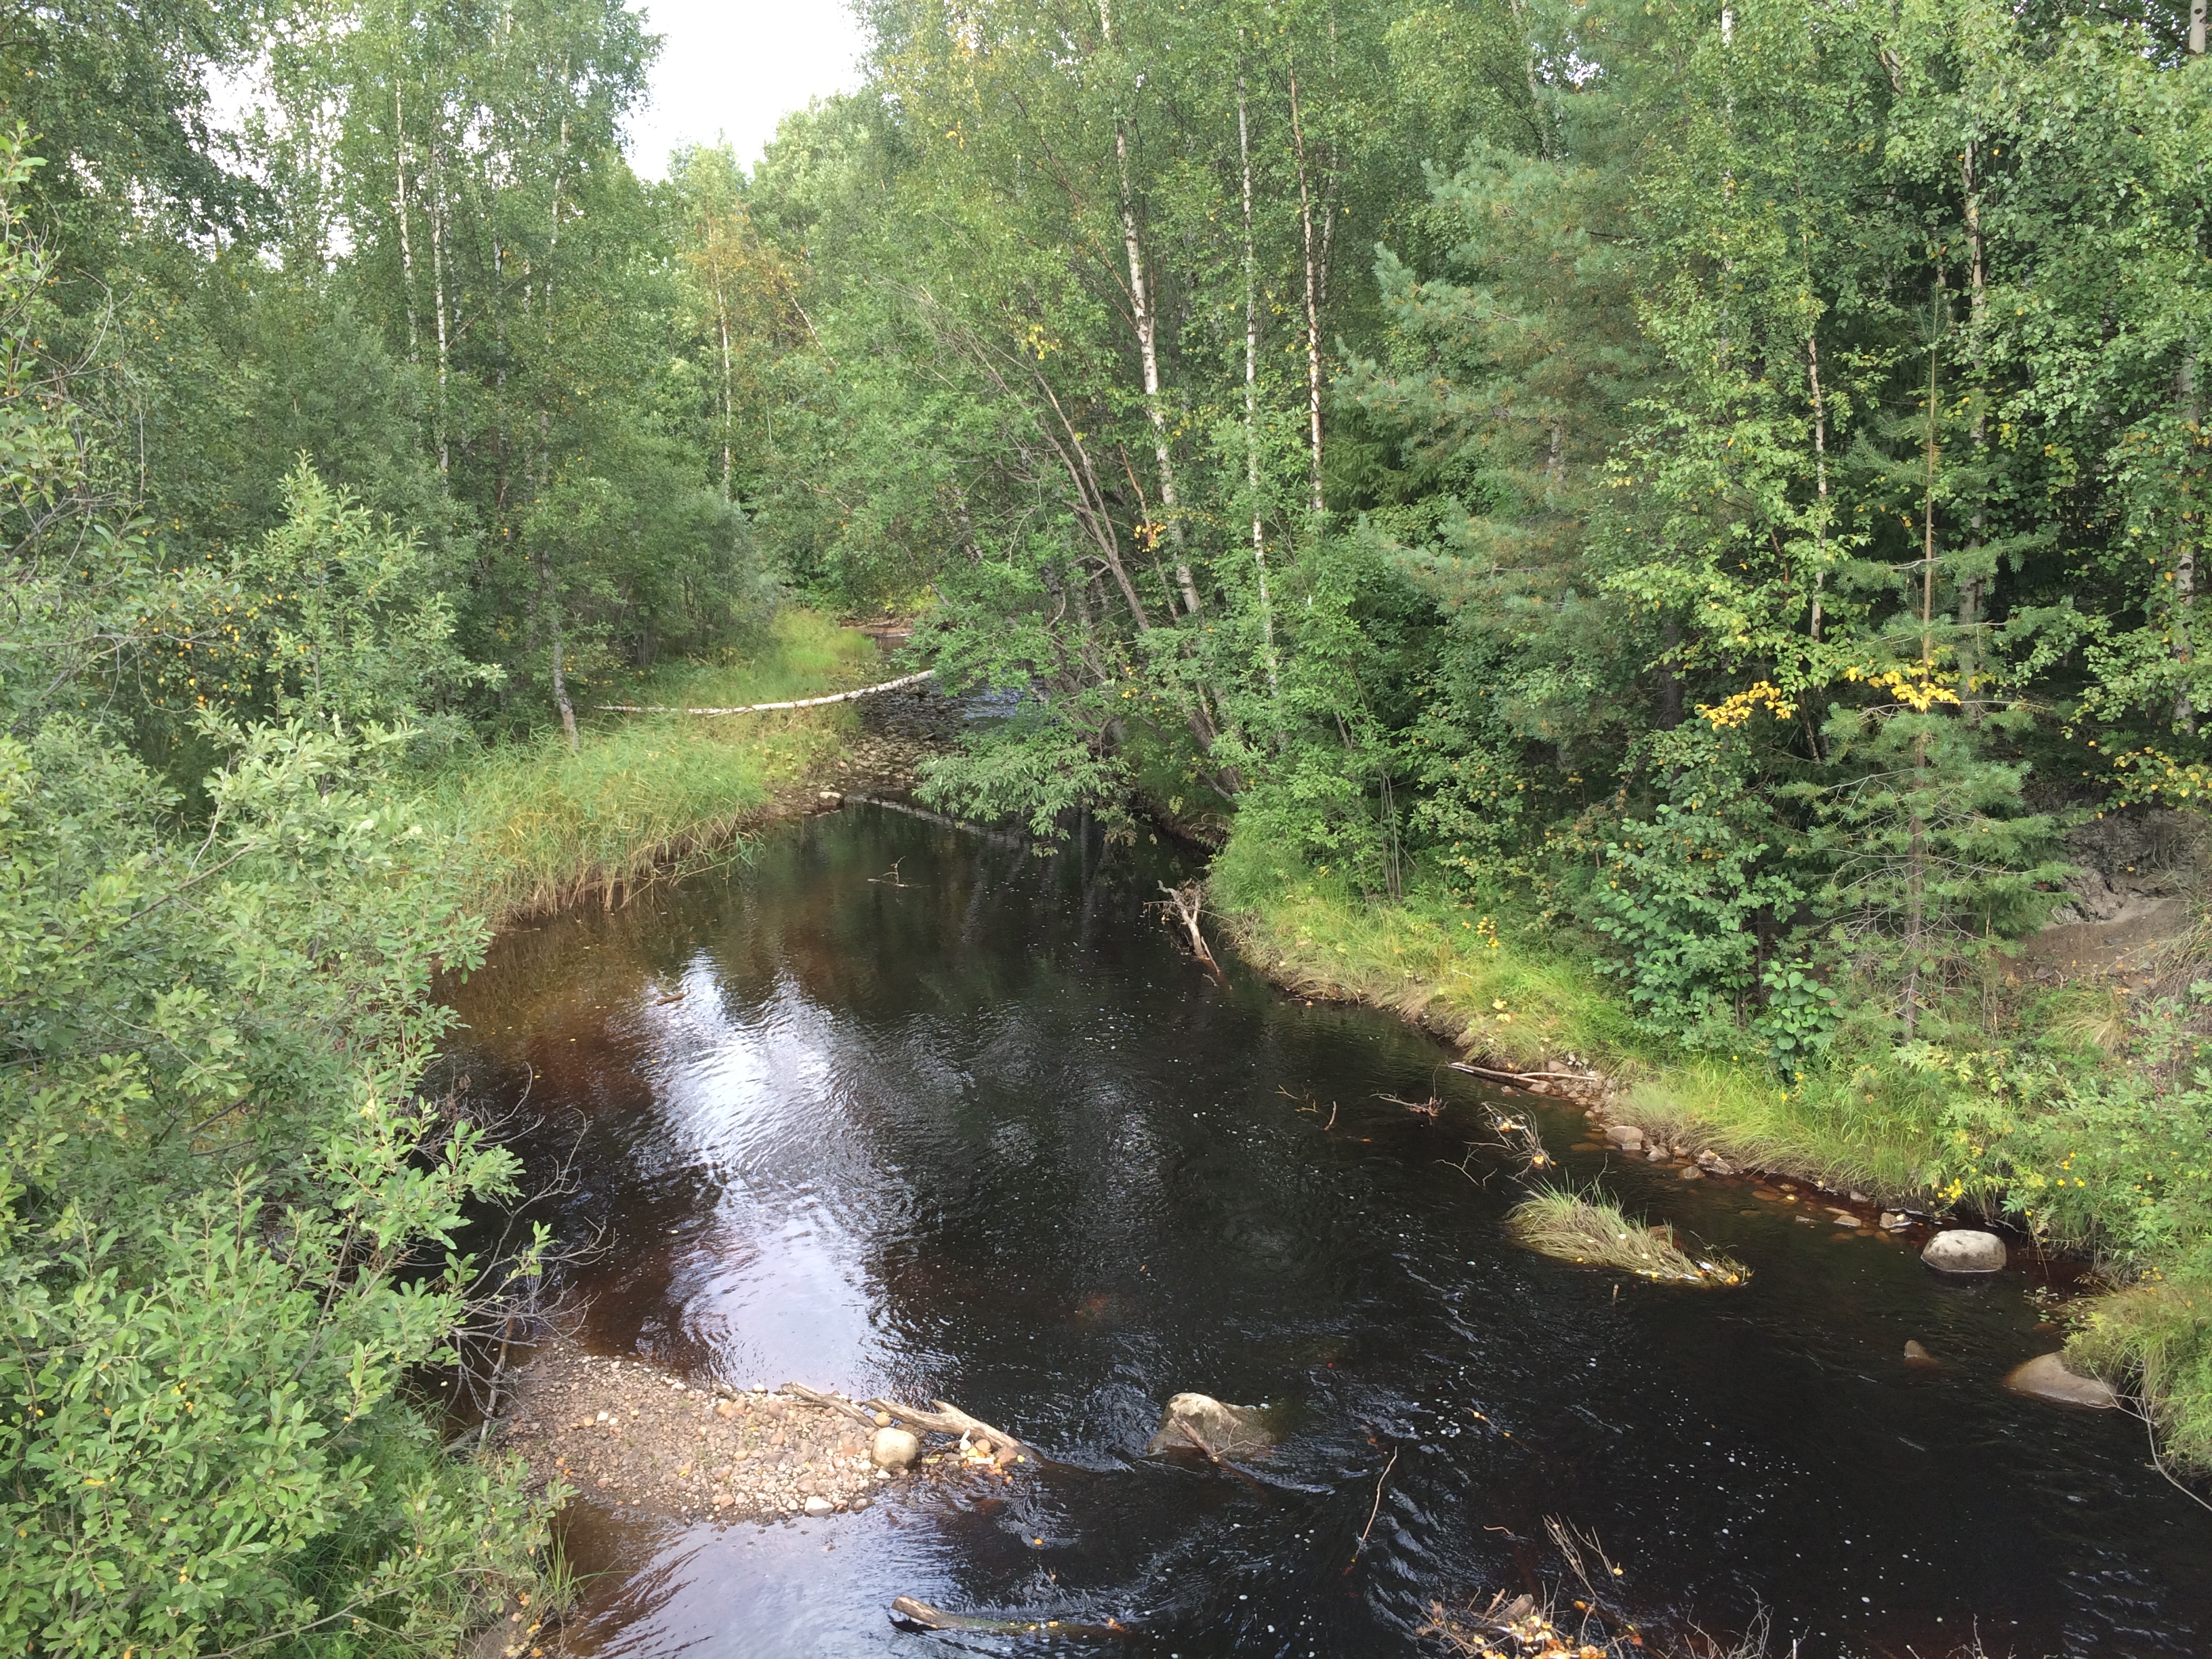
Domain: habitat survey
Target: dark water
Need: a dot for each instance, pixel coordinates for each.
(988, 1136)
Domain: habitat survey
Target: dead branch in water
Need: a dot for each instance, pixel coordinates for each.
(1186, 903)
(1431, 1108)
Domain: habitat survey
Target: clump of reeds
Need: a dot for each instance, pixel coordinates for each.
(1586, 1228)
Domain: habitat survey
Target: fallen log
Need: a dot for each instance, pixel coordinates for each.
(1468, 1066)
(908, 1611)
(949, 1418)
(767, 707)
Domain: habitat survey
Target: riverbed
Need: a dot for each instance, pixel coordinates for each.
(895, 1109)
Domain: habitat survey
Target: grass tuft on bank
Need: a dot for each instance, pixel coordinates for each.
(1590, 1229)
(537, 828)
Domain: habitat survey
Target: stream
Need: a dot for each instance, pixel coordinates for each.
(893, 1109)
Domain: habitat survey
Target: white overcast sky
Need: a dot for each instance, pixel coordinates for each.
(732, 68)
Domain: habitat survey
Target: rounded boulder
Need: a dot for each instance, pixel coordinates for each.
(1965, 1250)
(893, 1449)
(2048, 1376)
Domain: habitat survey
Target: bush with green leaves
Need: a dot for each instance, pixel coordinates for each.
(228, 1224)
(1684, 892)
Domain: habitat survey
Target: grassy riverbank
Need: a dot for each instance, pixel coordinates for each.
(2075, 1109)
(536, 828)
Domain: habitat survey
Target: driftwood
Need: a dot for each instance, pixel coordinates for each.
(1186, 903)
(1523, 1077)
(1205, 1447)
(949, 1418)
(908, 1611)
(834, 1403)
(768, 708)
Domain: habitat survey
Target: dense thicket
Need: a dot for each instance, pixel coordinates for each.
(1740, 466)
(358, 439)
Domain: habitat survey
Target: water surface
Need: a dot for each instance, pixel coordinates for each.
(899, 1110)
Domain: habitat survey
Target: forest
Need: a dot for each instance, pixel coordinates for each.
(1680, 521)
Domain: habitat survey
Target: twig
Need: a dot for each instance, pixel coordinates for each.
(1377, 1510)
(767, 707)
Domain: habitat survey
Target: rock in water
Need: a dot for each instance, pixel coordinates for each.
(893, 1449)
(819, 1505)
(1627, 1136)
(1231, 1431)
(1965, 1250)
(1917, 1355)
(2048, 1376)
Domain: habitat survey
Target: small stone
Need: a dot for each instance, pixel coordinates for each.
(2048, 1376)
(1656, 1154)
(859, 1502)
(893, 1449)
(1627, 1136)
(1857, 1198)
(1965, 1250)
(1895, 1221)
(1691, 1172)
(1844, 1219)
(1917, 1355)
(727, 1408)
(882, 1419)
(820, 1505)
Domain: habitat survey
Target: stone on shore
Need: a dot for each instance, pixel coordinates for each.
(1965, 1250)
(1627, 1136)
(893, 1449)
(2048, 1376)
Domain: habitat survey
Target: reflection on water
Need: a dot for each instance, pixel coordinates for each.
(895, 1109)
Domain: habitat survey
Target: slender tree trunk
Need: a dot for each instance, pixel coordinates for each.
(406, 237)
(1820, 476)
(1148, 346)
(438, 298)
(1916, 851)
(2185, 563)
(729, 417)
(1252, 398)
(1970, 584)
(1313, 299)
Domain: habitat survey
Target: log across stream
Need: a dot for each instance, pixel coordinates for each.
(986, 1133)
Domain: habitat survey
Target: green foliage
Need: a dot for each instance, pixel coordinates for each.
(1686, 893)
(336, 621)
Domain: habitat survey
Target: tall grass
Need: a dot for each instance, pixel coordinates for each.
(537, 828)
